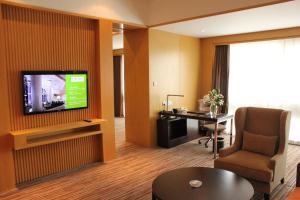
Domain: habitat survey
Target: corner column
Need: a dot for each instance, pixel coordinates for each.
(106, 86)
(137, 99)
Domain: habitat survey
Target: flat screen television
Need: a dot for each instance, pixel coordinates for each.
(52, 91)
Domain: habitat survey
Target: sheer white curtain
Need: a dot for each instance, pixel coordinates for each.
(267, 74)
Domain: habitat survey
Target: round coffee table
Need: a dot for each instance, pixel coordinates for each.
(216, 184)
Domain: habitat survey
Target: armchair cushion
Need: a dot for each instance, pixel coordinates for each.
(263, 120)
(247, 164)
(265, 145)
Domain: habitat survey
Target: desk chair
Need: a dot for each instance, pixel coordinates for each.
(210, 128)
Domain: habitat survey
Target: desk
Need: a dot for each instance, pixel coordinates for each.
(205, 117)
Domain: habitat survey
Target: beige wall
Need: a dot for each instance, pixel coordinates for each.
(174, 63)
(208, 49)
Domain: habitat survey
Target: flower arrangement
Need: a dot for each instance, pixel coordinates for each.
(213, 99)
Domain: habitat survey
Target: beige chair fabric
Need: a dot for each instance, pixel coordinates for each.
(264, 172)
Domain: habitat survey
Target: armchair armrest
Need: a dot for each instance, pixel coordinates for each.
(277, 164)
(275, 160)
(227, 151)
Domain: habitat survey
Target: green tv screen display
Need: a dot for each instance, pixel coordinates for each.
(54, 91)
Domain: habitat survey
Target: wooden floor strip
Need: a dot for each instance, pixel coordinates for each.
(130, 175)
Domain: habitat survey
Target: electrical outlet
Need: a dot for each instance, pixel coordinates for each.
(164, 103)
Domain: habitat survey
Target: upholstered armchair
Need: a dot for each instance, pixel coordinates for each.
(260, 148)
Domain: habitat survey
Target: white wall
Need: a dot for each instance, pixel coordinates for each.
(118, 41)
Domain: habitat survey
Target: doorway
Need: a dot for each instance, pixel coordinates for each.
(118, 61)
(131, 42)
(119, 88)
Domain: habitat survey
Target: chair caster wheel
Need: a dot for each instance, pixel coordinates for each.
(266, 196)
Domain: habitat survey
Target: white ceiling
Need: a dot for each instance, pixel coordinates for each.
(278, 16)
(146, 12)
(157, 12)
(120, 10)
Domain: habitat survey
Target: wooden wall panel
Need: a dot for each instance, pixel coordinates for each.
(136, 62)
(41, 40)
(37, 39)
(106, 85)
(7, 181)
(49, 159)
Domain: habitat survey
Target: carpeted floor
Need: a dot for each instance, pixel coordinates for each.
(130, 175)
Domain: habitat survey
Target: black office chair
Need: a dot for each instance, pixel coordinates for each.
(210, 129)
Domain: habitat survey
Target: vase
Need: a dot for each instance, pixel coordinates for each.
(213, 110)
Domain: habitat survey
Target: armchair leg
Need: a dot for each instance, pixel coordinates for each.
(282, 181)
(266, 196)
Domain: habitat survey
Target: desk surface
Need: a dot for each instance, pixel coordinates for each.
(199, 116)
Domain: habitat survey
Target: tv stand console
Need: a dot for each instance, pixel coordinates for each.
(43, 151)
(51, 134)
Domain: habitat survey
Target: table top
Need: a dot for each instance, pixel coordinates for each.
(199, 116)
(216, 184)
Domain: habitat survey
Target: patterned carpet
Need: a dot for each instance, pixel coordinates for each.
(130, 175)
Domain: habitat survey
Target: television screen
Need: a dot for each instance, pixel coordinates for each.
(46, 91)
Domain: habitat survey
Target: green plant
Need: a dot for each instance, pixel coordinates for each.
(214, 97)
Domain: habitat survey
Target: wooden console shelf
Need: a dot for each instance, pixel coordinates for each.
(52, 134)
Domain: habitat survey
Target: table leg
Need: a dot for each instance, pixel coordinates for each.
(231, 124)
(153, 197)
(216, 140)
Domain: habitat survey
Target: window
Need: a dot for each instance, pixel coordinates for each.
(267, 74)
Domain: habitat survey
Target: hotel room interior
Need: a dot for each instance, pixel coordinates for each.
(149, 99)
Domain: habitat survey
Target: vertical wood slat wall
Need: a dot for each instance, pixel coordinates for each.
(7, 175)
(42, 40)
(49, 159)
